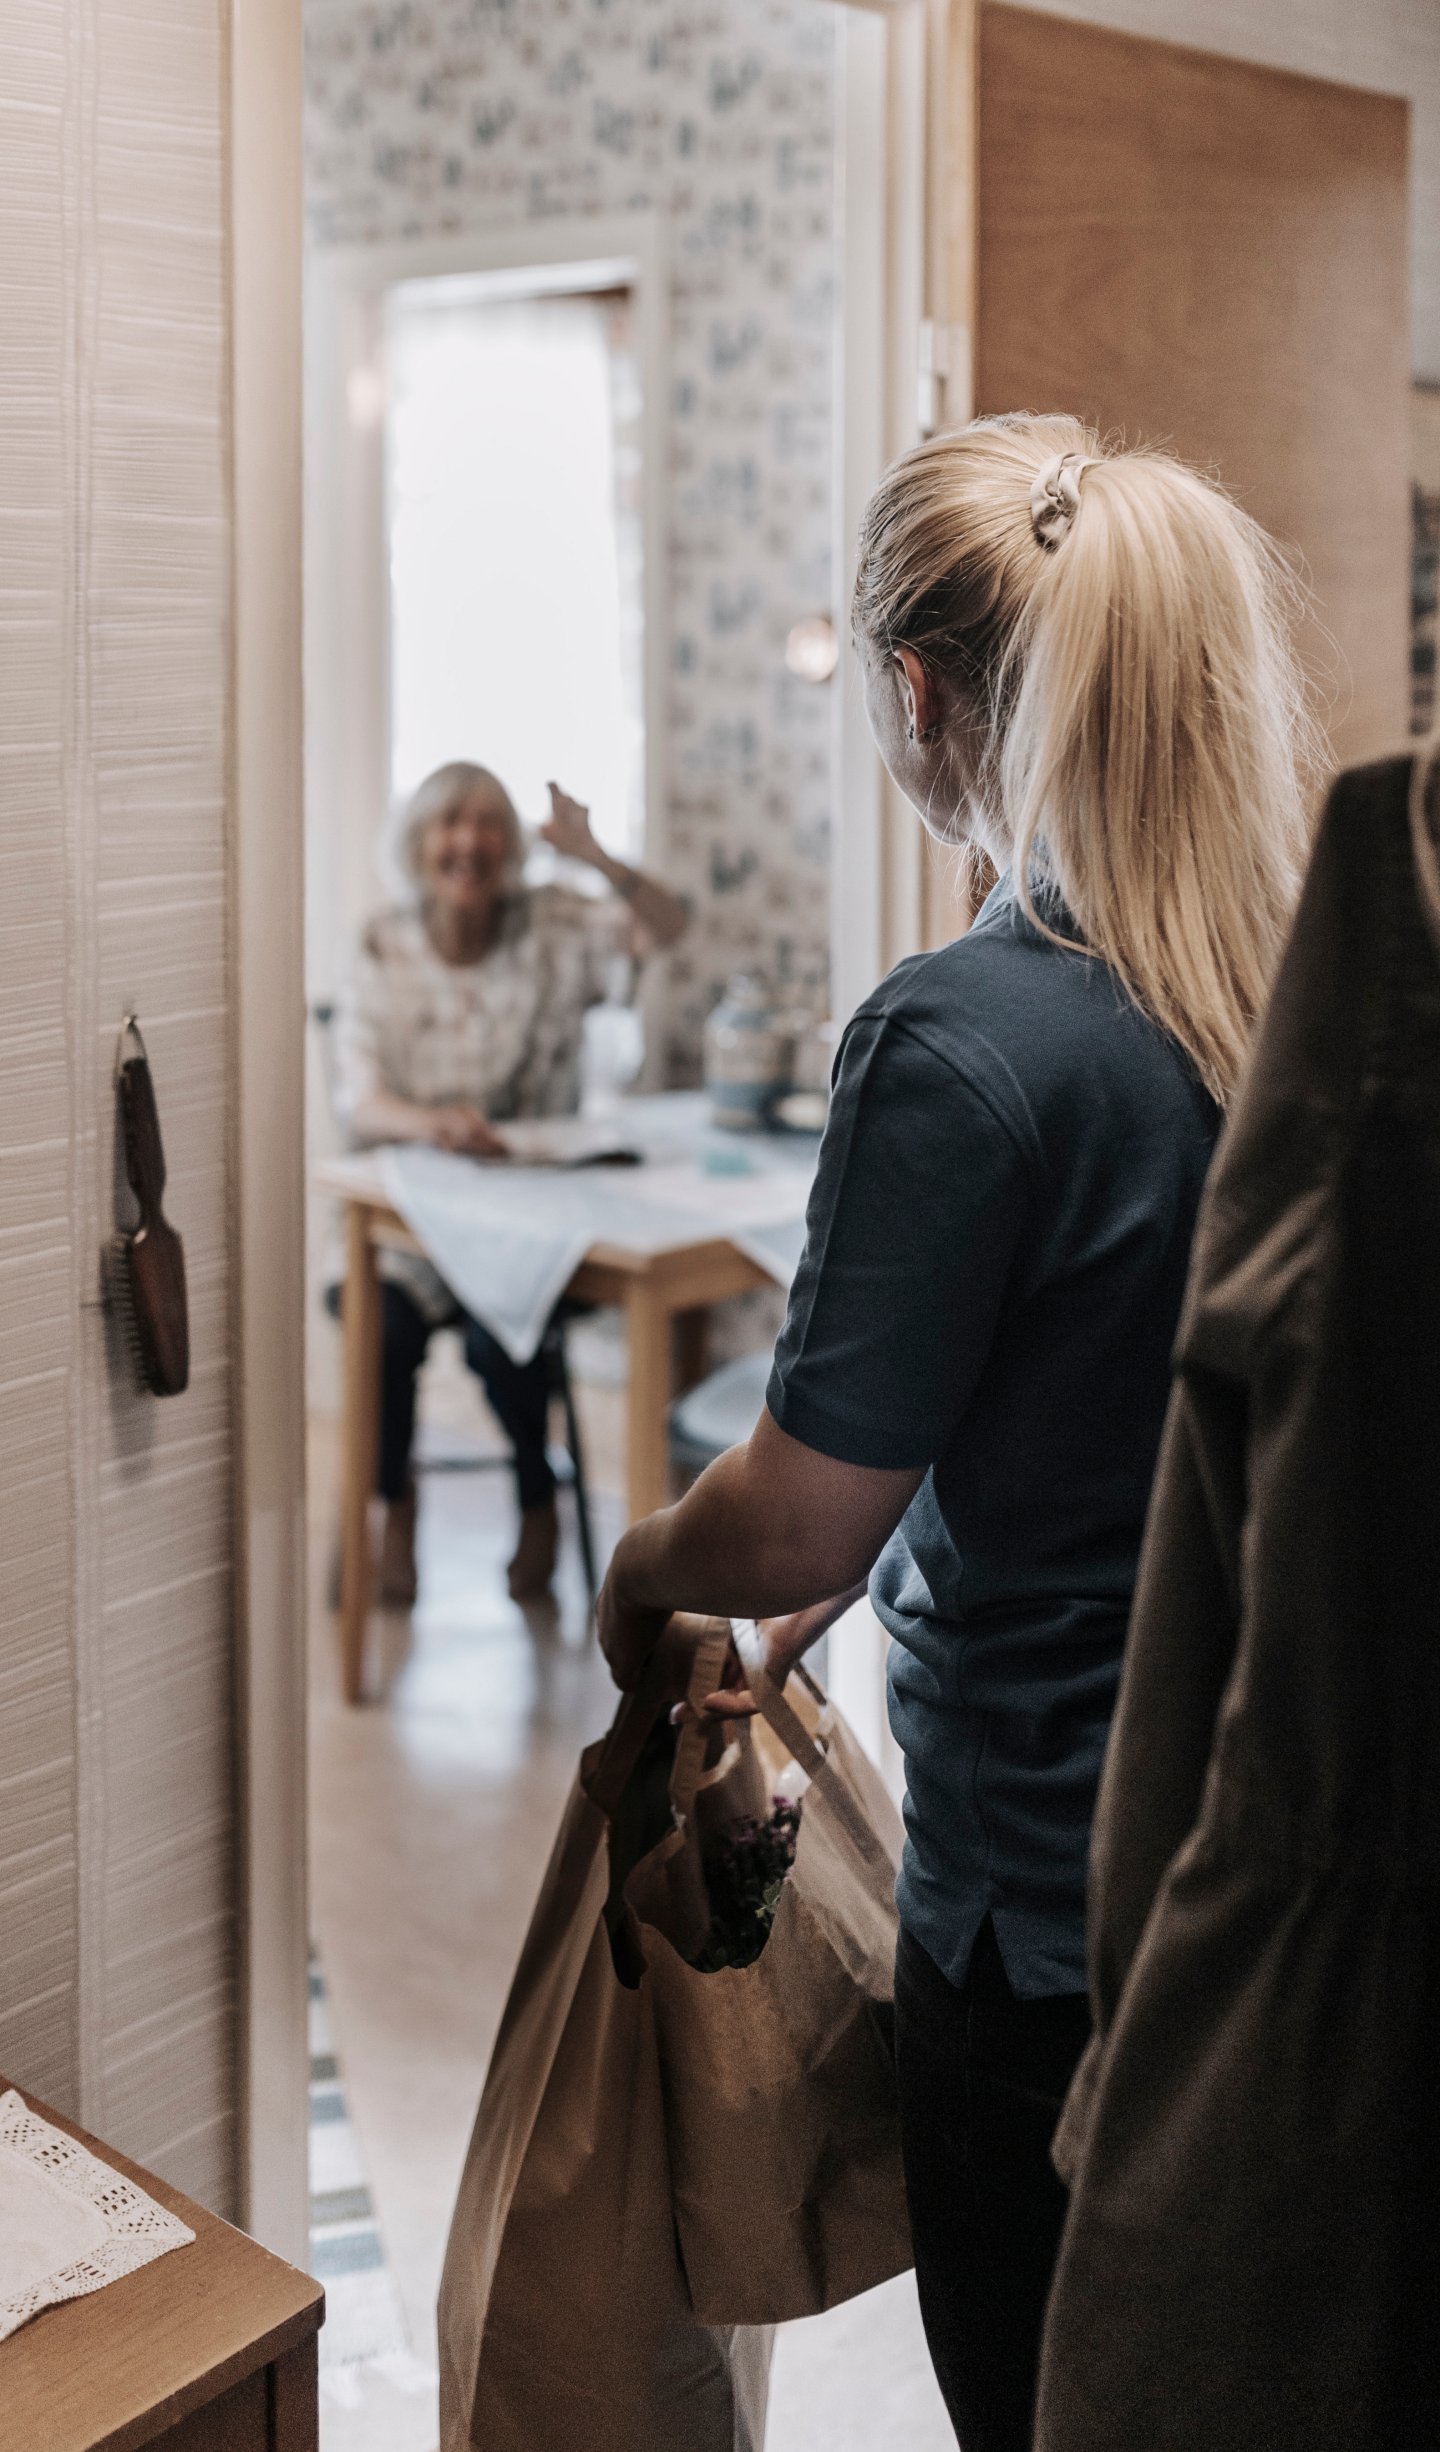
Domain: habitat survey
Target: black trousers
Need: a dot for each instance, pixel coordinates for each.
(518, 1392)
(982, 2077)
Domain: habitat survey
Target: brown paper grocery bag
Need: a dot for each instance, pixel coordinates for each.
(778, 2078)
(655, 2145)
(565, 2324)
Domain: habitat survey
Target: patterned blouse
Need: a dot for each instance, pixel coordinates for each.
(502, 1034)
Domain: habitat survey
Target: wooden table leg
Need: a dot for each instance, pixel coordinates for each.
(359, 1433)
(294, 2411)
(647, 1433)
(692, 1329)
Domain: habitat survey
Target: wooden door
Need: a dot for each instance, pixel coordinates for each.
(1195, 251)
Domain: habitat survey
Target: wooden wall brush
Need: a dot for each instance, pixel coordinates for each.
(147, 1260)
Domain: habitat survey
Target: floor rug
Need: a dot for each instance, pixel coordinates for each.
(364, 2329)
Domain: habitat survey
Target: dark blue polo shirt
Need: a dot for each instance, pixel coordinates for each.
(994, 1263)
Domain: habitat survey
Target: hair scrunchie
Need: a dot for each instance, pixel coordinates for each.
(1055, 496)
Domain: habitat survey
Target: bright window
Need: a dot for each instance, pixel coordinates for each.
(514, 578)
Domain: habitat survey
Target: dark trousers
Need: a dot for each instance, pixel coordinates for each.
(982, 2077)
(518, 1393)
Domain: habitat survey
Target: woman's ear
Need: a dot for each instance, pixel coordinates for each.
(917, 692)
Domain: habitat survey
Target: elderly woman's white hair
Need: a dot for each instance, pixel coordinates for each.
(442, 791)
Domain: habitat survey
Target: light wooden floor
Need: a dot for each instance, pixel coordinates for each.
(431, 1815)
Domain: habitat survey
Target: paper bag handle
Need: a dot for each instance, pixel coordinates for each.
(780, 1715)
(641, 1708)
(622, 1746)
(706, 1674)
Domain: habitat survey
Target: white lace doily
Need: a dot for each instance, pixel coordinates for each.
(68, 2223)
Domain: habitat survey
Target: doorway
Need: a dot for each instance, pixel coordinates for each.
(353, 627)
(486, 547)
(484, 543)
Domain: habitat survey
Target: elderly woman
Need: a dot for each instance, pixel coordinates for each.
(466, 1009)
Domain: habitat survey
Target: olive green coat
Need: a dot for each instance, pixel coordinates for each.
(1252, 2257)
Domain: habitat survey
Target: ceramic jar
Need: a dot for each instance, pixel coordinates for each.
(749, 1048)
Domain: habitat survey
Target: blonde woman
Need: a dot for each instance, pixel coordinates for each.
(1076, 662)
(465, 1009)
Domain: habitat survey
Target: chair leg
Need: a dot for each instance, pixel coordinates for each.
(577, 1474)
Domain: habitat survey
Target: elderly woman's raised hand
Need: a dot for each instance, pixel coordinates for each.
(567, 828)
(661, 915)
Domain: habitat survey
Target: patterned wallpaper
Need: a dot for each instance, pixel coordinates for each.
(431, 117)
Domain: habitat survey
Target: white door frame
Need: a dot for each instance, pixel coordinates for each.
(905, 139)
(267, 957)
(880, 228)
(904, 170)
(347, 743)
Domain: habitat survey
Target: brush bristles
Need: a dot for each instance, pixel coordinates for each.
(120, 1300)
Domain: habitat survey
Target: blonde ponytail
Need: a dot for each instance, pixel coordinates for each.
(1123, 640)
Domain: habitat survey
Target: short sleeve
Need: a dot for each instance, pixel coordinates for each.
(919, 1202)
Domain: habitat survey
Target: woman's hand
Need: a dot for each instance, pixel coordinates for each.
(465, 1130)
(782, 1642)
(662, 915)
(567, 829)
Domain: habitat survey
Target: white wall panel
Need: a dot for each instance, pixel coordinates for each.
(118, 1938)
(39, 1934)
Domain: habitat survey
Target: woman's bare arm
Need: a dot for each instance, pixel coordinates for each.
(771, 1529)
(661, 914)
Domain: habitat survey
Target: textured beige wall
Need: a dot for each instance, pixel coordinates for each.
(118, 1935)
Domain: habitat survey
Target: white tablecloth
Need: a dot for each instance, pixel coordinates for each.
(507, 1239)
